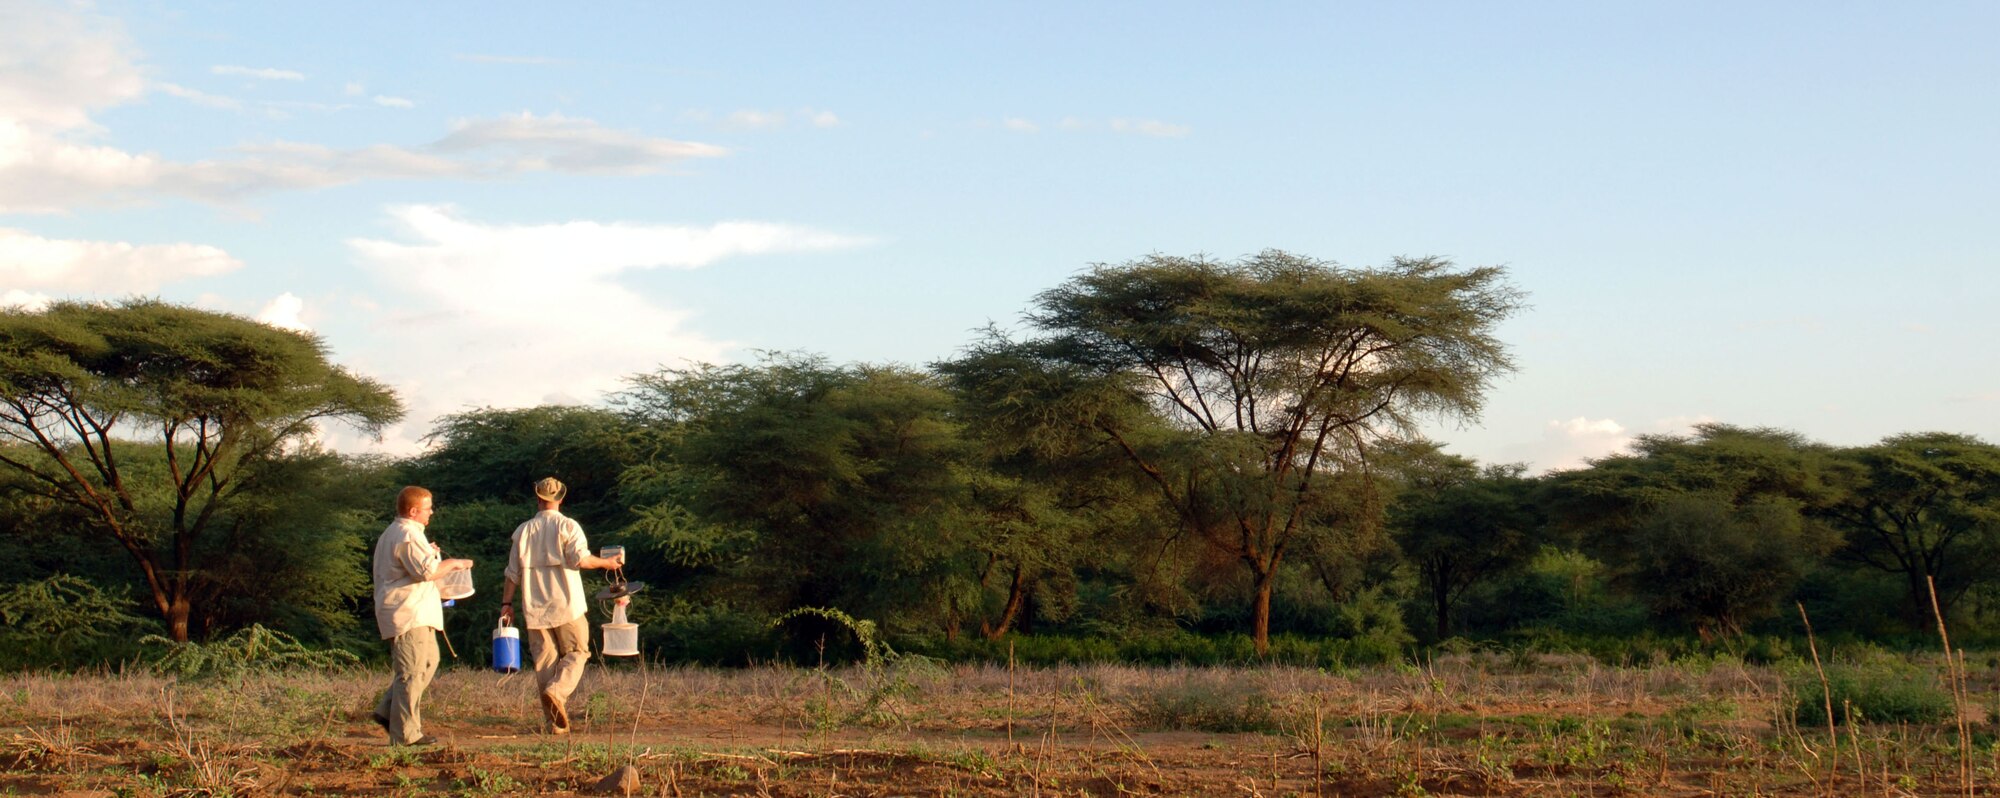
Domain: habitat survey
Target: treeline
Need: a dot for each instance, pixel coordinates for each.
(1179, 459)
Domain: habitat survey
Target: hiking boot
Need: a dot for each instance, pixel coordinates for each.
(556, 714)
(428, 739)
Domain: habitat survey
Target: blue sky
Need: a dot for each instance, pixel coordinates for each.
(1763, 214)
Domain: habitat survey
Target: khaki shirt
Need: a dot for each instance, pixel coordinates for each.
(405, 598)
(544, 560)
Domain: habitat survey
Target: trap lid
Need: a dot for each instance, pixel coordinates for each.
(620, 590)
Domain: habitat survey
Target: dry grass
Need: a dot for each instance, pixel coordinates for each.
(1467, 724)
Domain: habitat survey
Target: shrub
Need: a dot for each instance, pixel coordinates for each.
(1204, 706)
(64, 621)
(251, 648)
(1878, 689)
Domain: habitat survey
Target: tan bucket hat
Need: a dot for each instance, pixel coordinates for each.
(550, 489)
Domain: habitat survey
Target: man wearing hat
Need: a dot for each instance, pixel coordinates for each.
(546, 559)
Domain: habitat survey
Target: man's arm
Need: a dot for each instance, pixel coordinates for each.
(448, 567)
(592, 561)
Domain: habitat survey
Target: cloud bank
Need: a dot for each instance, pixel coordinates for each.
(517, 315)
(32, 263)
(57, 68)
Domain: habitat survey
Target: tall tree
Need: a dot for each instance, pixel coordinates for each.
(214, 397)
(1461, 524)
(1924, 506)
(806, 484)
(1049, 494)
(1280, 369)
(495, 455)
(1711, 529)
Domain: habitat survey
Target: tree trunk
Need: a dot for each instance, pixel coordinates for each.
(177, 618)
(1920, 615)
(1442, 598)
(1261, 612)
(1017, 594)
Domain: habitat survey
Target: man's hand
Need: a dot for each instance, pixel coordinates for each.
(453, 566)
(506, 615)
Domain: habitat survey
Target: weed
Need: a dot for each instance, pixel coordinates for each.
(1880, 689)
(483, 782)
(1204, 706)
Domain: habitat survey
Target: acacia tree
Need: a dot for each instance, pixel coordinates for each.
(210, 398)
(1051, 494)
(1710, 528)
(805, 484)
(1461, 524)
(1281, 370)
(1925, 506)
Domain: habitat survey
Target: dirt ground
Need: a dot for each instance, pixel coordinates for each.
(1571, 729)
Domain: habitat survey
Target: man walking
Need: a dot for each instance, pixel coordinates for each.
(409, 613)
(547, 555)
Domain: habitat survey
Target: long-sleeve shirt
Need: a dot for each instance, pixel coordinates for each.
(544, 559)
(405, 598)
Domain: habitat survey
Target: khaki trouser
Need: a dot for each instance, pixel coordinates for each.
(559, 653)
(413, 659)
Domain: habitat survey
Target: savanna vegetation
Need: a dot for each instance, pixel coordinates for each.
(1178, 462)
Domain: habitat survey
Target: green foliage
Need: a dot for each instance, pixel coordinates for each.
(64, 621)
(887, 675)
(1925, 507)
(219, 397)
(1284, 372)
(496, 455)
(1459, 525)
(709, 634)
(800, 485)
(1711, 530)
(254, 648)
(1870, 686)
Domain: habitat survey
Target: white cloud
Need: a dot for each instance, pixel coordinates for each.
(1570, 444)
(529, 60)
(354, 89)
(284, 311)
(507, 315)
(55, 67)
(40, 173)
(393, 102)
(17, 299)
(258, 73)
(28, 261)
(1150, 127)
(1020, 125)
(571, 145)
(58, 66)
(822, 118)
(200, 98)
(754, 120)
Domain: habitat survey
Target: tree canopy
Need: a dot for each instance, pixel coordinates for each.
(208, 399)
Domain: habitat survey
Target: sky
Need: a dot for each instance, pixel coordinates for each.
(1770, 214)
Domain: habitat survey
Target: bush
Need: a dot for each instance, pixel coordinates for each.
(250, 649)
(1880, 688)
(708, 634)
(1204, 706)
(65, 621)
